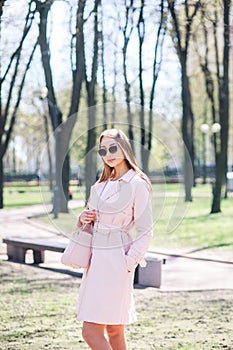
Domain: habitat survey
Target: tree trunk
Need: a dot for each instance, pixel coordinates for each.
(187, 134)
(65, 183)
(48, 152)
(90, 164)
(59, 200)
(181, 42)
(158, 54)
(1, 7)
(90, 157)
(217, 185)
(1, 183)
(104, 89)
(221, 159)
(127, 31)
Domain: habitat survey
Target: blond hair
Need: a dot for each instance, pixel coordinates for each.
(123, 141)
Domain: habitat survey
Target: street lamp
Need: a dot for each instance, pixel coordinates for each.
(205, 129)
(56, 194)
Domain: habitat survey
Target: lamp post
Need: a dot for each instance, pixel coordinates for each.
(205, 129)
(56, 194)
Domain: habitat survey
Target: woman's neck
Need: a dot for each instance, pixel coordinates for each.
(119, 171)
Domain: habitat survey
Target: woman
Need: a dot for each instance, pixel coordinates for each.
(119, 201)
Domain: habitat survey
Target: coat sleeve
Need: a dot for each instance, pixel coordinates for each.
(143, 221)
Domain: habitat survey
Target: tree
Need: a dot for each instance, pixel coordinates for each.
(1, 6)
(11, 88)
(127, 32)
(59, 201)
(104, 89)
(91, 102)
(146, 133)
(217, 86)
(62, 130)
(181, 39)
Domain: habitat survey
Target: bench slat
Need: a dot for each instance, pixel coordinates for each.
(36, 244)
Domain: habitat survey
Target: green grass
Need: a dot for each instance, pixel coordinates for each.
(22, 195)
(196, 227)
(176, 223)
(16, 196)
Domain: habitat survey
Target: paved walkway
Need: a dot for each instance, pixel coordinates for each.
(203, 269)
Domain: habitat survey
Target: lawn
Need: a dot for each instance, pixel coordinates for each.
(38, 312)
(38, 304)
(19, 195)
(176, 223)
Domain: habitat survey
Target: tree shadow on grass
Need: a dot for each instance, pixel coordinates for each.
(211, 247)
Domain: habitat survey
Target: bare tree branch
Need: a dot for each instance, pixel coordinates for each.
(17, 55)
(160, 36)
(19, 96)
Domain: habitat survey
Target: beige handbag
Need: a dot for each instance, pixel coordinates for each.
(79, 249)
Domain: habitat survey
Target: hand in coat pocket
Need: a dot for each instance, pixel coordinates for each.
(130, 263)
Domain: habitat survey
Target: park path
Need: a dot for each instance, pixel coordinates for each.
(184, 269)
(16, 221)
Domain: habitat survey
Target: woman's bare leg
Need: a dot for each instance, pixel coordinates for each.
(93, 334)
(116, 337)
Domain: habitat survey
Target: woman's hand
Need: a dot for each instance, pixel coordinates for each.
(87, 216)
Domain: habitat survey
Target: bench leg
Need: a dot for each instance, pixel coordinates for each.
(38, 256)
(136, 275)
(16, 253)
(150, 275)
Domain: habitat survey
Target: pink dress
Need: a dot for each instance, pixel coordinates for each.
(106, 292)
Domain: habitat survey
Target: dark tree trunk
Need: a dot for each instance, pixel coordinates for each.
(79, 66)
(60, 187)
(158, 55)
(187, 133)
(1, 7)
(46, 126)
(181, 42)
(113, 111)
(127, 31)
(90, 161)
(1, 183)
(104, 90)
(221, 158)
(90, 158)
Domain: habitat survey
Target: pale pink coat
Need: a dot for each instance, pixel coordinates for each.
(106, 292)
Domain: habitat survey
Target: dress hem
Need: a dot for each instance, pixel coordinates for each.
(105, 323)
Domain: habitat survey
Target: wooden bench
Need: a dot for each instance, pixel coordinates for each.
(18, 246)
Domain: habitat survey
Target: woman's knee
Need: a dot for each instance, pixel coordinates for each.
(91, 333)
(86, 332)
(115, 331)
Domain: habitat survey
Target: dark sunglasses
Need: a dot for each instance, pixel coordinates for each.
(103, 151)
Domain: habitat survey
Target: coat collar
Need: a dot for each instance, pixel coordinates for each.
(113, 190)
(127, 176)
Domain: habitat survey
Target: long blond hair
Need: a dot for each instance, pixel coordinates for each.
(123, 141)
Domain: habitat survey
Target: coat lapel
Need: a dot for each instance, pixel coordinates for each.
(108, 190)
(103, 191)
